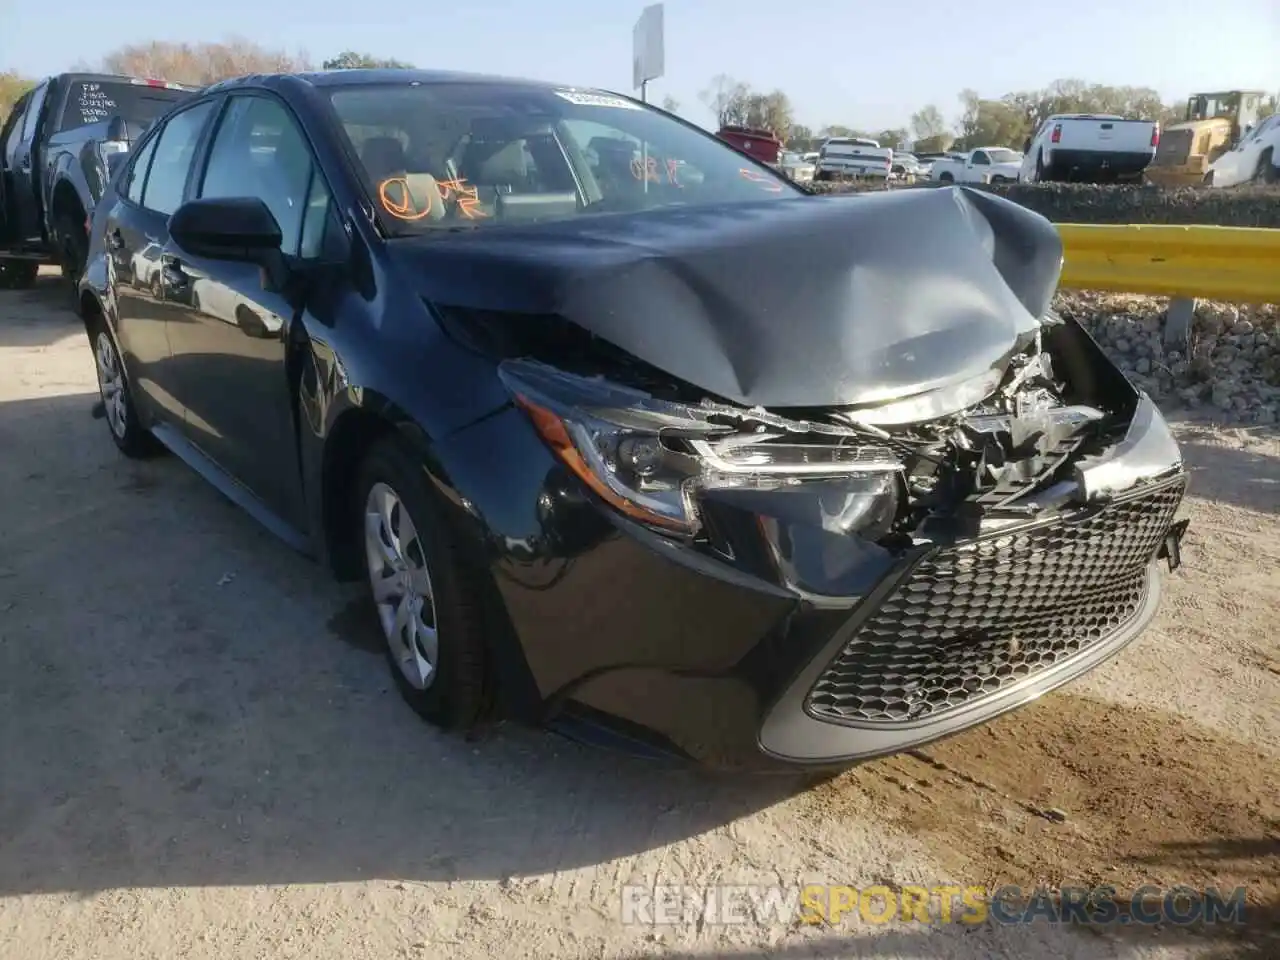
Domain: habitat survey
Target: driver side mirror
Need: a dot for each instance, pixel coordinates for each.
(239, 229)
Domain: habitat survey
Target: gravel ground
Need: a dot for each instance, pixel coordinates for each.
(198, 759)
(1230, 368)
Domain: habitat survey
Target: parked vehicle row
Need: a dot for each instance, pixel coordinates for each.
(58, 148)
(560, 378)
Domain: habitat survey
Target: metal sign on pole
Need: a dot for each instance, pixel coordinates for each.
(647, 54)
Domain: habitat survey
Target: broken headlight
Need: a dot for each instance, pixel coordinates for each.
(650, 458)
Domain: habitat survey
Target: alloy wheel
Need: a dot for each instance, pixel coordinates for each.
(111, 385)
(401, 585)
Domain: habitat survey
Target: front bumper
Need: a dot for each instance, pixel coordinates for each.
(609, 627)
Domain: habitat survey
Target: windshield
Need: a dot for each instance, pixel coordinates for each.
(1001, 155)
(92, 101)
(444, 154)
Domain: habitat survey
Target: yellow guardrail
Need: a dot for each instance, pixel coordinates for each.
(1237, 264)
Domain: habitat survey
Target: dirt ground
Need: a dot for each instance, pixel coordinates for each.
(198, 760)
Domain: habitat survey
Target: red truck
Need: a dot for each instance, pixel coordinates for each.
(758, 144)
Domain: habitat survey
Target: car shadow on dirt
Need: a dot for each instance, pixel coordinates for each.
(39, 316)
(1248, 477)
(175, 709)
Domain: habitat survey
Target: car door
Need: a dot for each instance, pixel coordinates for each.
(25, 167)
(978, 164)
(136, 229)
(10, 134)
(230, 335)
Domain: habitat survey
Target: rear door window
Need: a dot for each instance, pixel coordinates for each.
(136, 178)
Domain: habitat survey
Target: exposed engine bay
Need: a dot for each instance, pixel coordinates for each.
(1054, 406)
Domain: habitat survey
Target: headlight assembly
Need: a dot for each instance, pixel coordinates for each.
(651, 459)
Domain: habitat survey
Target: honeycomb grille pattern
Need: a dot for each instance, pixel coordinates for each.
(972, 619)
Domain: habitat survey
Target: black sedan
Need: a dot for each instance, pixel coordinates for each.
(626, 433)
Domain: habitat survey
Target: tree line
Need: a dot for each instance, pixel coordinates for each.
(1002, 121)
(197, 64)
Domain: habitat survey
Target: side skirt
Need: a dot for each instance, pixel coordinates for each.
(232, 489)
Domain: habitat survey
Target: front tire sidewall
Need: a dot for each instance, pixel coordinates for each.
(457, 696)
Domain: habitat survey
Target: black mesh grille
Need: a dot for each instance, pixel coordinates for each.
(972, 619)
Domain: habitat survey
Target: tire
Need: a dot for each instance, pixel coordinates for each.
(430, 587)
(73, 248)
(999, 179)
(947, 178)
(18, 274)
(119, 409)
(1208, 179)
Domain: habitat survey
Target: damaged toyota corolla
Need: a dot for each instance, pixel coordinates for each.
(626, 434)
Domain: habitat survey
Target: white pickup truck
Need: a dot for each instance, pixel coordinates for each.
(1255, 156)
(853, 157)
(1089, 148)
(983, 165)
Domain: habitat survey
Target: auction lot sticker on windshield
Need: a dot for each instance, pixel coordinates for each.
(584, 99)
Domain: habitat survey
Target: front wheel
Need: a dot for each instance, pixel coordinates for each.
(118, 406)
(425, 589)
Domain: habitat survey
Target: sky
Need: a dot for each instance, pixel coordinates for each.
(863, 65)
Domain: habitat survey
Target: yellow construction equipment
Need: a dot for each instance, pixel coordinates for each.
(1214, 121)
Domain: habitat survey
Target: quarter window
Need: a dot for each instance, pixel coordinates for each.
(171, 162)
(258, 151)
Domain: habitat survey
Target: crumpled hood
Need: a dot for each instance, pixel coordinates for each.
(809, 302)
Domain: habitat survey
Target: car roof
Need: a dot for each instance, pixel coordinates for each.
(78, 76)
(351, 78)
